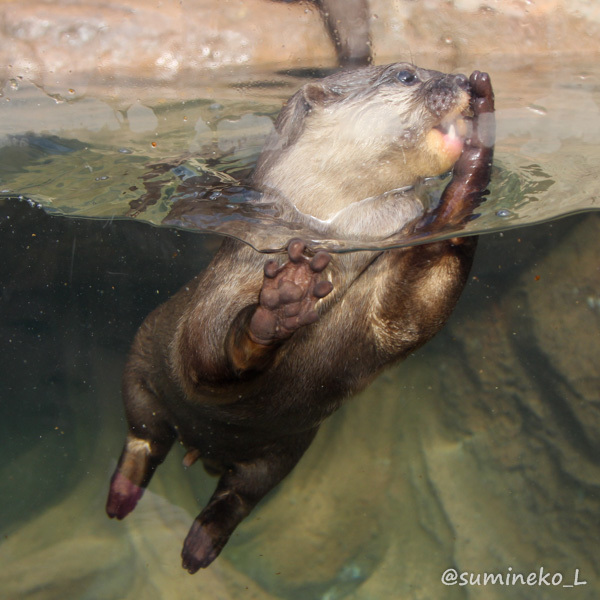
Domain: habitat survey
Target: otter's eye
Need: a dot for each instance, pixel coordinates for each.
(407, 77)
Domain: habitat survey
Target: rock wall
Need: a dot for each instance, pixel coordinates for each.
(41, 40)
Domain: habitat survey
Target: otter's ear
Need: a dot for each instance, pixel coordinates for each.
(316, 94)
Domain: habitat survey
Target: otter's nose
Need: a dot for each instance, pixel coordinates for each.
(443, 93)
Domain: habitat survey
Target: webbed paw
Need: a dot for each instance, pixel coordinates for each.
(199, 548)
(482, 95)
(482, 105)
(289, 295)
(122, 497)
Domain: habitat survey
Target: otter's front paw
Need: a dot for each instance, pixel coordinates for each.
(472, 171)
(482, 105)
(482, 95)
(289, 295)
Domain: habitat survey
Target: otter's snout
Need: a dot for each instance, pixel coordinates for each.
(445, 93)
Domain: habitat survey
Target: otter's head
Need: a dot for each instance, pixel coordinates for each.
(360, 133)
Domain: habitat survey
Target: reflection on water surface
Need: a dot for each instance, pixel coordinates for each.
(100, 156)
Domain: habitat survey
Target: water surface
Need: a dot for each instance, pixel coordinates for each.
(182, 157)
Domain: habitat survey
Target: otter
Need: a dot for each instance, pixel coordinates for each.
(347, 23)
(245, 362)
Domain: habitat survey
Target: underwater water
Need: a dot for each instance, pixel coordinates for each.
(480, 453)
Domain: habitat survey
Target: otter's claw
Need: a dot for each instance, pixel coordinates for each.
(482, 105)
(482, 95)
(289, 295)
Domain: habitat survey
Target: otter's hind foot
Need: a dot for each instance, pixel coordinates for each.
(212, 528)
(137, 464)
(122, 497)
(289, 295)
(198, 551)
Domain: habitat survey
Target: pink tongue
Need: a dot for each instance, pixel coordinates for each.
(452, 142)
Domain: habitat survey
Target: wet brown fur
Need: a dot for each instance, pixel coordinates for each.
(250, 409)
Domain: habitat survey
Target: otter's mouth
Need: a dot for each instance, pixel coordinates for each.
(452, 131)
(446, 139)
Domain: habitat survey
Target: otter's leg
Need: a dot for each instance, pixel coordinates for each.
(239, 490)
(287, 302)
(473, 169)
(148, 442)
(348, 25)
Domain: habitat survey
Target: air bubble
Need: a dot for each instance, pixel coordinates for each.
(538, 110)
(503, 213)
